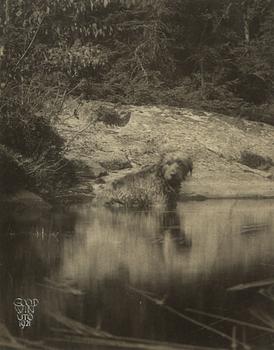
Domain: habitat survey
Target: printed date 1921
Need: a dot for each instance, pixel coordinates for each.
(25, 309)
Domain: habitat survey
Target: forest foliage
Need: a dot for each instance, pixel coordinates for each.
(143, 51)
(209, 54)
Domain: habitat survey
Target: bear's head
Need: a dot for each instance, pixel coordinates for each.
(174, 169)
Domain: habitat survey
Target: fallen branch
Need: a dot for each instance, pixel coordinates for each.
(255, 284)
(262, 316)
(253, 228)
(78, 327)
(7, 345)
(87, 335)
(187, 318)
(6, 335)
(267, 292)
(31, 42)
(61, 287)
(66, 290)
(36, 345)
(124, 343)
(261, 173)
(233, 320)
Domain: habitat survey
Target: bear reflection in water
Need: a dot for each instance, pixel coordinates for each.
(111, 299)
(173, 232)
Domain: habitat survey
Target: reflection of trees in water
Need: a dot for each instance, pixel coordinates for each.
(28, 252)
(114, 247)
(119, 246)
(21, 268)
(27, 220)
(110, 302)
(110, 306)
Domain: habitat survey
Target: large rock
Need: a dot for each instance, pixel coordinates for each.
(111, 116)
(89, 169)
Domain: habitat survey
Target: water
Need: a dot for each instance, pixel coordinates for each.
(111, 260)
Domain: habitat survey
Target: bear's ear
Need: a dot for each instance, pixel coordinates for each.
(164, 169)
(167, 159)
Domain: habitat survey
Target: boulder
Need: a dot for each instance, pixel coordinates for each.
(111, 116)
(89, 169)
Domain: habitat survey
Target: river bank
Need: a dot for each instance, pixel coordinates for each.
(214, 142)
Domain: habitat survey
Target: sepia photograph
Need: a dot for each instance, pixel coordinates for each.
(136, 174)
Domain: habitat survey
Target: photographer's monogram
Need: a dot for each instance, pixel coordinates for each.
(25, 309)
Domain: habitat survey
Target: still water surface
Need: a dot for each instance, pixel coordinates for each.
(186, 257)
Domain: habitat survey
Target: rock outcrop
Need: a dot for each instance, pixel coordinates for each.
(110, 116)
(214, 142)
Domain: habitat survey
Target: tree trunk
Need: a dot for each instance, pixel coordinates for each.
(202, 76)
(246, 28)
(245, 12)
(7, 12)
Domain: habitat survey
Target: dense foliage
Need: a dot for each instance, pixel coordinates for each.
(211, 54)
(208, 52)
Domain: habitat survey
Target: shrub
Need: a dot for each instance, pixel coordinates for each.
(78, 60)
(12, 174)
(49, 179)
(32, 149)
(27, 134)
(255, 161)
(22, 127)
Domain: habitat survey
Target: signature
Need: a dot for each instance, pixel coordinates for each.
(25, 309)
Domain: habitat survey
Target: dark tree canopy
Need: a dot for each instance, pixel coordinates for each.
(204, 52)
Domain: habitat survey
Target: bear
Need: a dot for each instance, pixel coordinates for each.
(154, 183)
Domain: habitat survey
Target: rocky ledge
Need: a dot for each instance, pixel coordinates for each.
(110, 151)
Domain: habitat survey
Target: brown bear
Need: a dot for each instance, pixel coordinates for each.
(159, 182)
